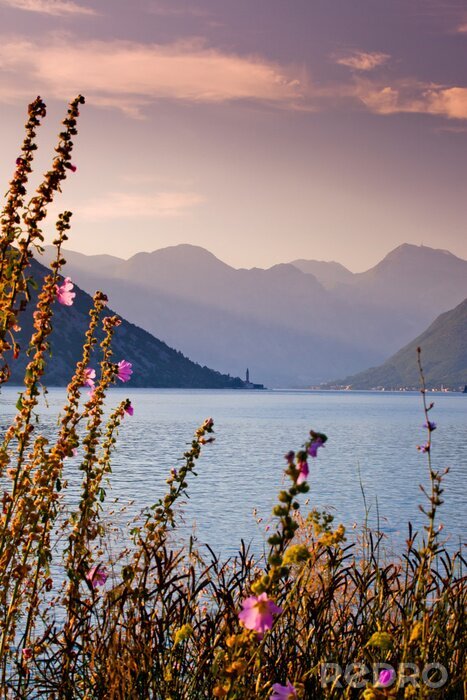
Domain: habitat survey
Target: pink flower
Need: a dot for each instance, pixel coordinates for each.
(257, 613)
(303, 471)
(96, 576)
(314, 446)
(89, 377)
(386, 677)
(71, 167)
(424, 448)
(129, 409)
(27, 653)
(124, 371)
(64, 294)
(283, 692)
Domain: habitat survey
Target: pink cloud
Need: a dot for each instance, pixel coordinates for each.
(363, 60)
(130, 75)
(384, 100)
(449, 102)
(50, 7)
(124, 205)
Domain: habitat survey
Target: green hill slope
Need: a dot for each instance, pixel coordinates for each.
(444, 357)
(155, 364)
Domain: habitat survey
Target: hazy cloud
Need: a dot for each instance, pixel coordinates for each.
(130, 75)
(451, 129)
(50, 7)
(165, 9)
(363, 60)
(124, 205)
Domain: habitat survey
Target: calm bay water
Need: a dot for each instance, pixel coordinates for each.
(372, 437)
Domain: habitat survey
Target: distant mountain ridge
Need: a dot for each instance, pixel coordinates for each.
(292, 327)
(431, 277)
(329, 274)
(155, 364)
(444, 358)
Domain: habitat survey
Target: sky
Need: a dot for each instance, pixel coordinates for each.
(262, 130)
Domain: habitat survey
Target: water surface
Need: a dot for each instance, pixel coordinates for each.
(372, 442)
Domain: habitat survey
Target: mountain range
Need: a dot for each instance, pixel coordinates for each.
(155, 364)
(294, 324)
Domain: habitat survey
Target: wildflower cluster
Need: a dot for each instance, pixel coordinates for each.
(32, 502)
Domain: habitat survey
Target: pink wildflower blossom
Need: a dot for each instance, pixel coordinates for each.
(386, 677)
(65, 295)
(257, 613)
(89, 377)
(315, 445)
(129, 409)
(424, 448)
(303, 471)
(27, 653)
(283, 692)
(96, 576)
(124, 371)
